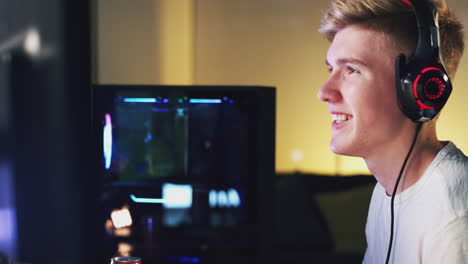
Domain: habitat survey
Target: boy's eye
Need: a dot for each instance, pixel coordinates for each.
(351, 70)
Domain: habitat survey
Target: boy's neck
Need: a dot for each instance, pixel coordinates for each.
(386, 166)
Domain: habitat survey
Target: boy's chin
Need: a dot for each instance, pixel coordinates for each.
(344, 150)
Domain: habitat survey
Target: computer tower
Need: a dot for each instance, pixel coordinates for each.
(187, 172)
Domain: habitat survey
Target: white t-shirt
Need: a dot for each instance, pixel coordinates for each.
(431, 216)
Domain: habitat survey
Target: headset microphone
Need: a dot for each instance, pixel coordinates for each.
(423, 85)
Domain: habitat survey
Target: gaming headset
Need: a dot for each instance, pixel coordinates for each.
(423, 85)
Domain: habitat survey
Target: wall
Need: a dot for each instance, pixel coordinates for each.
(147, 42)
(251, 42)
(127, 36)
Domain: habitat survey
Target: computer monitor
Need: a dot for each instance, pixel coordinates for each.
(186, 171)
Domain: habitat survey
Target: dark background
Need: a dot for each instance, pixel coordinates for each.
(46, 130)
(47, 159)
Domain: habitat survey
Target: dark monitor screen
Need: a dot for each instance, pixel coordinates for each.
(188, 158)
(178, 134)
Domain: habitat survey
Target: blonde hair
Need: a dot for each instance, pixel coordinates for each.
(398, 22)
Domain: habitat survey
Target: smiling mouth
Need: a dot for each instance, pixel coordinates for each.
(340, 118)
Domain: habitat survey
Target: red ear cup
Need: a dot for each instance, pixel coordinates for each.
(431, 88)
(421, 93)
(423, 86)
(406, 3)
(434, 88)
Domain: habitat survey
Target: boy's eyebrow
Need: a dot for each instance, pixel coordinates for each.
(348, 60)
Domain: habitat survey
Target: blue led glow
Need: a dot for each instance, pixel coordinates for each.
(107, 141)
(222, 198)
(148, 138)
(204, 101)
(174, 196)
(233, 197)
(178, 259)
(213, 198)
(8, 219)
(140, 100)
(149, 224)
(146, 200)
(177, 196)
(180, 112)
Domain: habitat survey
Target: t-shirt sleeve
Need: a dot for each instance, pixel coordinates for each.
(449, 245)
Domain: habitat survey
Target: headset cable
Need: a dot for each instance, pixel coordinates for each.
(392, 203)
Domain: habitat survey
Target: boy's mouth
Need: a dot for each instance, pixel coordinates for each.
(340, 118)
